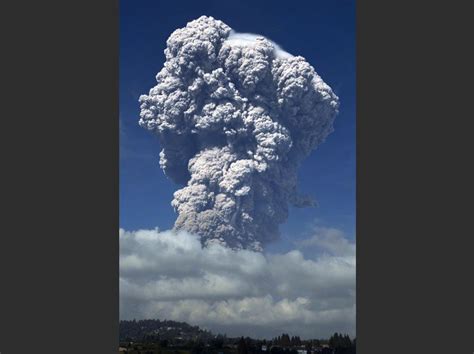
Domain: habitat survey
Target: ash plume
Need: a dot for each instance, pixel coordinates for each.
(235, 116)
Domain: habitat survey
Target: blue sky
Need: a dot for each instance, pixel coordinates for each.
(321, 31)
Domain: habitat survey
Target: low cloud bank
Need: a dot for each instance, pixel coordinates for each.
(170, 275)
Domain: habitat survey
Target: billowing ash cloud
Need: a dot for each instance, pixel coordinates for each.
(235, 115)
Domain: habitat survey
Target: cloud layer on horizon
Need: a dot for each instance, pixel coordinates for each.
(239, 292)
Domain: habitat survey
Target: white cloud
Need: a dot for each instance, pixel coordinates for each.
(330, 240)
(169, 275)
(248, 39)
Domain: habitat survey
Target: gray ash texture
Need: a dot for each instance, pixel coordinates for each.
(235, 116)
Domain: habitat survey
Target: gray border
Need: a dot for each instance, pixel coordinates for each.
(414, 232)
(59, 247)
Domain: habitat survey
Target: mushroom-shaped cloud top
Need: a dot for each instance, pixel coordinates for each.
(235, 115)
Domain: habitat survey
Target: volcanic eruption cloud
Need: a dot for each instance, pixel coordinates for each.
(235, 116)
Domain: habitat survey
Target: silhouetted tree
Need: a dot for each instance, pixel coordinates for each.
(285, 340)
(198, 347)
(164, 343)
(242, 346)
(218, 342)
(308, 347)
